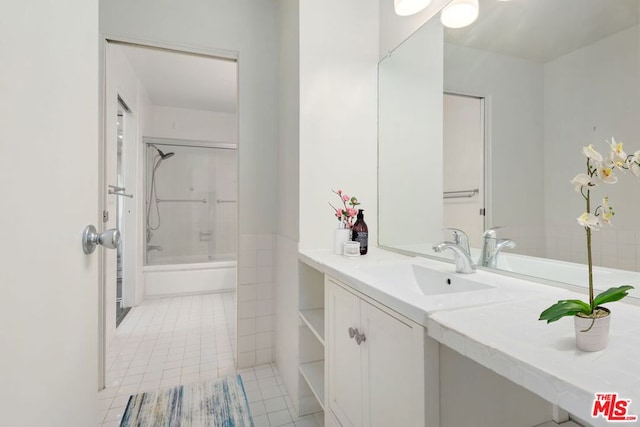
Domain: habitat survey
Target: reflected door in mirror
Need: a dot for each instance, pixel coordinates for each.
(463, 169)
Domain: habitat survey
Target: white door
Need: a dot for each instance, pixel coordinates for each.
(464, 165)
(49, 186)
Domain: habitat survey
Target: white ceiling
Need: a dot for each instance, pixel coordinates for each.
(175, 79)
(542, 30)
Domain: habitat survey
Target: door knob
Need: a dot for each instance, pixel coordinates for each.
(91, 238)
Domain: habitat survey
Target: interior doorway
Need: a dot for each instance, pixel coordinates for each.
(179, 101)
(464, 165)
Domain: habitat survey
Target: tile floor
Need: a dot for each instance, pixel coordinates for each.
(166, 342)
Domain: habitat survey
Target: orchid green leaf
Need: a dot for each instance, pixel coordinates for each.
(564, 308)
(611, 295)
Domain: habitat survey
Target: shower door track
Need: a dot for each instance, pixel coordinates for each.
(190, 143)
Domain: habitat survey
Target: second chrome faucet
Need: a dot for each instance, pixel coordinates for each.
(491, 247)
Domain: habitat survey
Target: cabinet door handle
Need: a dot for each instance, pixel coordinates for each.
(360, 338)
(352, 332)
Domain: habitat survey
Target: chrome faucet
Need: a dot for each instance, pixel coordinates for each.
(491, 247)
(461, 257)
(460, 238)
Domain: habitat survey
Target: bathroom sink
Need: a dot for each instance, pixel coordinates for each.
(428, 281)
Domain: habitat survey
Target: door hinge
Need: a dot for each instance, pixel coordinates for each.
(483, 212)
(105, 216)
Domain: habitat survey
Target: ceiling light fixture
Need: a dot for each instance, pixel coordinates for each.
(459, 13)
(409, 7)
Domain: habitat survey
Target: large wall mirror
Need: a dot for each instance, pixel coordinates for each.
(483, 126)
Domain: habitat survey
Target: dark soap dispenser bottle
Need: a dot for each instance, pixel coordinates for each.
(360, 232)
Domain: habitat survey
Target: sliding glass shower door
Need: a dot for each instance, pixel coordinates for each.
(190, 201)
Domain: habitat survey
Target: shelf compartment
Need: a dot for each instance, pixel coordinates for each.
(314, 319)
(313, 373)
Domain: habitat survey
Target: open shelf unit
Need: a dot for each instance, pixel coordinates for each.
(313, 373)
(314, 319)
(311, 340)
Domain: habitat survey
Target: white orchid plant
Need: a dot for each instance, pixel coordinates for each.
(600, 170)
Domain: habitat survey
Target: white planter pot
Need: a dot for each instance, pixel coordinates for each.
(340, 236)
(592, 338)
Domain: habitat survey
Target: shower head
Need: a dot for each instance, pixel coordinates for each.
(163, 156)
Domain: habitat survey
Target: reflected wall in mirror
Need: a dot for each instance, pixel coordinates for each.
(553, 77)
(410, 140)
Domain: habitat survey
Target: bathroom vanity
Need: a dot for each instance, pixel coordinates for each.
(389, 339)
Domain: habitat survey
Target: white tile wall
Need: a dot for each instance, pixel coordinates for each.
(256, 258)
(529, 240)
(611, 247)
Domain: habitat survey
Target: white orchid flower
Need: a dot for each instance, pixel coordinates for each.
(589, 220)
(614, 161)
(606, 212)
(616, 148)
(582, 180)
(617, 157)
(591, 153)
(605, 174)
(633, 163)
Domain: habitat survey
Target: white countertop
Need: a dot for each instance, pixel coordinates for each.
(408, 302)
(499, 329)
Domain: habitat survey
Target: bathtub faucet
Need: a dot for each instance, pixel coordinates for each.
(153, 248)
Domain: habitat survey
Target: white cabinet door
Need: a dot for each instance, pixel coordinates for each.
(343, 356)
(381, 381)
(393, 365)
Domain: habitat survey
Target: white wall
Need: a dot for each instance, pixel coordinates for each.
(145, 120)
(246, 29)
(183, 123)
(338, 116)
(286, 266)
(327, 140)
(122, 81)
(514, 90)
(600, 86)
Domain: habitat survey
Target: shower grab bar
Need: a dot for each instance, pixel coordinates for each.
(119, 191)
(182, 200)
(225, 201)
(460, 194)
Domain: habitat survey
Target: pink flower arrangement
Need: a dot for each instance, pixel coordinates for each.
(347, 214)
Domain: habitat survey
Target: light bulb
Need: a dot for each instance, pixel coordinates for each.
(409, 7)
(459, 13)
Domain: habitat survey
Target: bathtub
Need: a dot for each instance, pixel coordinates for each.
(191, 278)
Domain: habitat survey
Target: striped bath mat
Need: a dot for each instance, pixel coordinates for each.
(220, 403)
